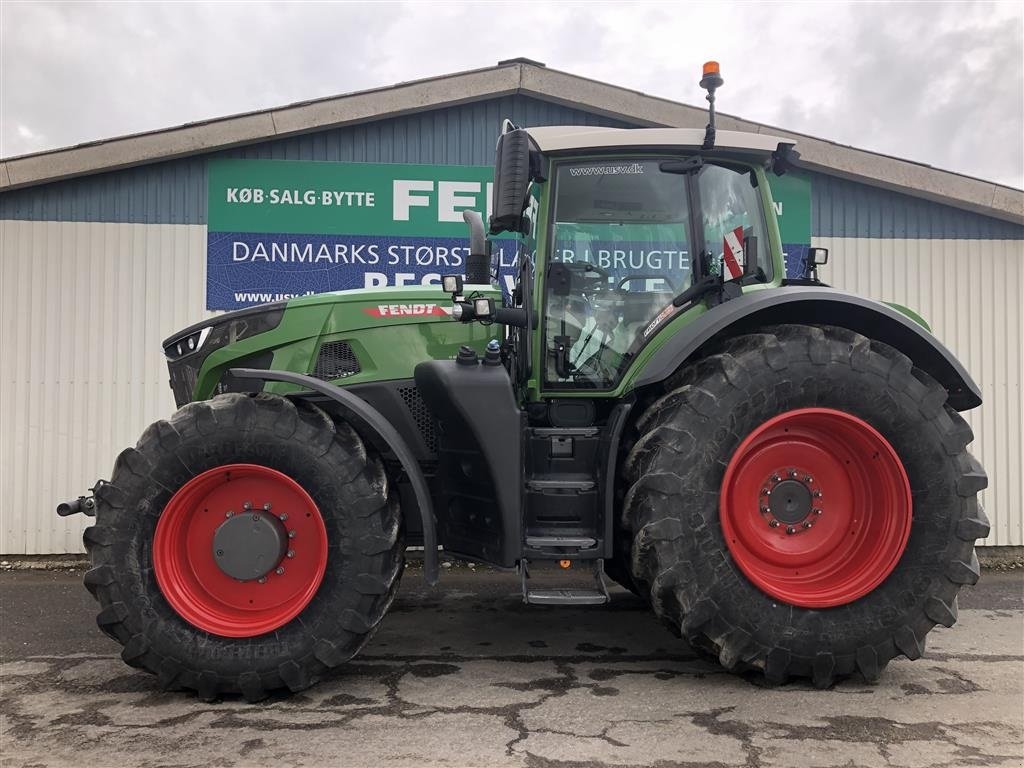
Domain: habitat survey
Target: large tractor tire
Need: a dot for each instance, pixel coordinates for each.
(802, 503)
(247, 544)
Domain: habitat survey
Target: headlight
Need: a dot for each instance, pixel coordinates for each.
(221, 331)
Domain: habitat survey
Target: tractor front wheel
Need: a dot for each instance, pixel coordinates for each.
(247, 544)
(803, 503)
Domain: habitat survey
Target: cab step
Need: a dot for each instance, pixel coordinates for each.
(547, 582)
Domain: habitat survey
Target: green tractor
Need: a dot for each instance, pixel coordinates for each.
(777, 467)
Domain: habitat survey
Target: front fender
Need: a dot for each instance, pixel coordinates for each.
(815, 305)
(369, 422)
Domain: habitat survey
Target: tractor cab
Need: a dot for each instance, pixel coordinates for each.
(620, 233)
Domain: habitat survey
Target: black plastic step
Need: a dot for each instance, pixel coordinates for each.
(575, 542)
(576, 484)
(566, 597)
(580, 584)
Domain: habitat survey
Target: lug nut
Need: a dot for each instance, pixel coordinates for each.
(764, 491)
(229, 513)
(765, 510)
(266, 507)
(291, 553)
(776, 478)
(279, 570)
(283, 517)
(809, 479)
(791, 529)
(291, 534)
(816, 511)
(808, 524)
(817, 494)
(792, 473)
(262, 579)
(247, 506)
(773, 523)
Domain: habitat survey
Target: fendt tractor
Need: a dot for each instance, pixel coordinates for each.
(778, 468)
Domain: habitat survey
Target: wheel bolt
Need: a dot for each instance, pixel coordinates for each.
(266, 507)
(291, 553)
(773, 523)
(229, 513)
(792, 473)
(816, 511)
(283, 517)
(810, 479)
(279, 570)
(817, 494)
(262, 579)
(808, 524)
(291, 534)
(776, 478)
(791, 529)
(247, 506)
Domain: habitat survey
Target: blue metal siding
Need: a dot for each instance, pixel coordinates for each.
(174, 192)
(841, 208)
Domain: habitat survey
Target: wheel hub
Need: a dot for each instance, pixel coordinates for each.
(815, 507)
(790, 502)
(249, 545)
(233, 569)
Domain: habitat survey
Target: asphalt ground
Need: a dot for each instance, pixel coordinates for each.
(465, 675)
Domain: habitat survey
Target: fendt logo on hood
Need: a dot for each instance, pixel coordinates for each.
(405, 310)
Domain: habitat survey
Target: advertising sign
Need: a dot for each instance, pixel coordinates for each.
(278, 229)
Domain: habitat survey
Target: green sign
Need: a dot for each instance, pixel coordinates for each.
(792, 195)
(345, 198)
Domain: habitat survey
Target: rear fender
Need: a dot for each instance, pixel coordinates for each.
(814, 305)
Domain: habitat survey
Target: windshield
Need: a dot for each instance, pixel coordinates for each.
(621, 252)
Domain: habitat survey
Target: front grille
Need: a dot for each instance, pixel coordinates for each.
(421, 415)
(335, 361)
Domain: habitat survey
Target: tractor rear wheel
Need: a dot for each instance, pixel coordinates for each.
(803, 503)
(247, 544)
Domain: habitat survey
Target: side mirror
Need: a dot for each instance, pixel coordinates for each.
(516, 164)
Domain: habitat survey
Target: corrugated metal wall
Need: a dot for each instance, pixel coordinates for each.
(970, 292)
(95, 272)
(84, 309)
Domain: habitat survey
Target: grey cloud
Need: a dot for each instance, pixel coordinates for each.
(936, 83)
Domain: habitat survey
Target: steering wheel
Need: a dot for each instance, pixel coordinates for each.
(630, 278)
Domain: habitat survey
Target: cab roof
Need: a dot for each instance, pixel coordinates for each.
(564, 138)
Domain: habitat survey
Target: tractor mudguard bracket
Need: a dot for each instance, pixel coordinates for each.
(369, 419)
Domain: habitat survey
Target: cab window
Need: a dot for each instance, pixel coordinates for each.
(620, 253)
(734, 226)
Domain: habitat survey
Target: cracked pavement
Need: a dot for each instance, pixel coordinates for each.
(465, 675)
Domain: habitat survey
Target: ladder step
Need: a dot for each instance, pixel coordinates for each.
(560, 485)
(566, 597)
(575, 542)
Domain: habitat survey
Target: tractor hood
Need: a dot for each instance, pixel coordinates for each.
(355, 336)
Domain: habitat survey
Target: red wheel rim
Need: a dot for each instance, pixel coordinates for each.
(856, 494)
(184, 559)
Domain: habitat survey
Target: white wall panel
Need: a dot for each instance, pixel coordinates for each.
(970, 292)
(83, 309)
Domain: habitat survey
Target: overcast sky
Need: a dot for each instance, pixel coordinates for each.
(940, 83)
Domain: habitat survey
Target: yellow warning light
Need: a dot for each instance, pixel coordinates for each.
(565, 563)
